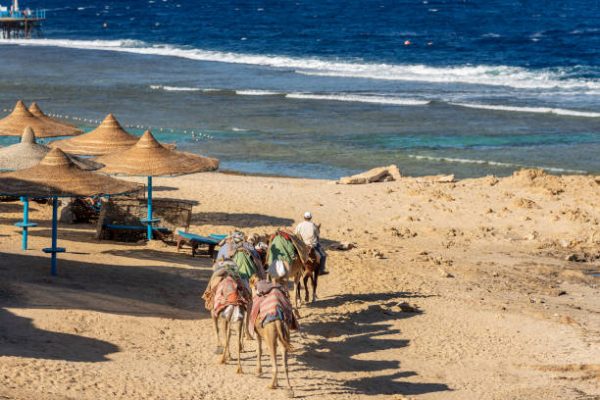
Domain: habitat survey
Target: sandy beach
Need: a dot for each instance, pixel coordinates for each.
(478, 289)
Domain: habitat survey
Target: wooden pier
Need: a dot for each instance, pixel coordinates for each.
(16, 23)
(15, 28)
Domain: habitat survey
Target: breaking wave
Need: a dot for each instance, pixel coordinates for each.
(493, 163)
(397, 101)
(540, 110)
(516, 77)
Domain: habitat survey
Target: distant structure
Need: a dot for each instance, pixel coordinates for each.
(17, 23)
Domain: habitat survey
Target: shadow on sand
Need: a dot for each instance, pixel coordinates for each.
(341, 342)
(239, 220)
(19, 338)
(146, 290)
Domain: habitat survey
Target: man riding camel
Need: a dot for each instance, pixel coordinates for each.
(309, 232)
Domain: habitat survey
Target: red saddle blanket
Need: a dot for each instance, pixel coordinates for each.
(229, 292)
(272, 305)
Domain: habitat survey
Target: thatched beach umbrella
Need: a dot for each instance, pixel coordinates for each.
(150, 158)
(27, 154)
(20, 118)
(37, 112)
(56, 176)
(108, 137)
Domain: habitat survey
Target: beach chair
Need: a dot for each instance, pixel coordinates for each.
(194, 241)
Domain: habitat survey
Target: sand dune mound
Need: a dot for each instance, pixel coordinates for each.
(537, 179)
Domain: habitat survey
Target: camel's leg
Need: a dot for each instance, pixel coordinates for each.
(259, 353)
(285, 368)
(247, 334)
(297, 297)
(271, 338)
(226, 345)
(219, 348)
(315, 282)
(305, 280)
(240, 324)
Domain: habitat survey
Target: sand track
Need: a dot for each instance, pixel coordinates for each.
(454, 291)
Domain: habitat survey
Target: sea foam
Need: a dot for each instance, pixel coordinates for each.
(397, 101)
(540, 110)
(493, 163)
(516, 77)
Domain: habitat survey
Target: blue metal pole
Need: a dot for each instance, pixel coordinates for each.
(149, 226)
(54, 234)
(25, 201)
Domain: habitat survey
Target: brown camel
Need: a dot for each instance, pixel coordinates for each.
(310, 270)
(225, 323)
(227, 314)
(272, 333)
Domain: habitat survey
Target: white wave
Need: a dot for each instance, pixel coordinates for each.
(516, 77)
(493, 163)
(175, 88)
(257, 93)
(396, 101)
(541, 110)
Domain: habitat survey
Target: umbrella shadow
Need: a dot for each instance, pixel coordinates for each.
(342, 343)
(82, 235)
(240, 220)
(13, 207)
(168, 256)
(164, 188)
(147, 290)
(20, 338)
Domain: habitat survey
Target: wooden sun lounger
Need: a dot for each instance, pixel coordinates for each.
(195, 241)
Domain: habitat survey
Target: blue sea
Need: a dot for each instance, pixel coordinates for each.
(325, 88)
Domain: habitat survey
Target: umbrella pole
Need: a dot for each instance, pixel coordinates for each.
(25, 201)
(54, 234)
(53, 250)
(149, 222)
(25, 224)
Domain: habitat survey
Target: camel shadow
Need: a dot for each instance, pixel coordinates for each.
(240, 220)
(342, 342)
(338, 300)
(20, 338)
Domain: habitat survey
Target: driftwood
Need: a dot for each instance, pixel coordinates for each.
(381, 174)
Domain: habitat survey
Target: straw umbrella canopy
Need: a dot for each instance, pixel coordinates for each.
(27, 154)
(56, 176)
(35, 109)
(20, 118)
(108, 137)
(150, 158)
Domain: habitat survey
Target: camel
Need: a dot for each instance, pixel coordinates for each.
(295, 271)
(224, 323)
(310, 271)
(272, 319)
(272, 333)
(227, 298)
